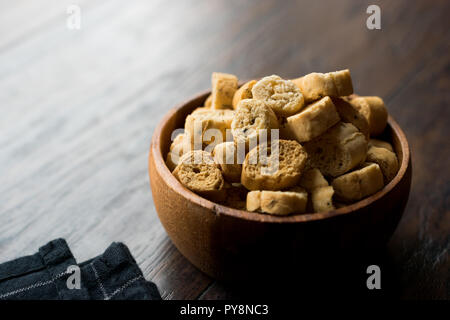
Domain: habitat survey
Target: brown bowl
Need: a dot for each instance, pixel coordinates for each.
(227, 243)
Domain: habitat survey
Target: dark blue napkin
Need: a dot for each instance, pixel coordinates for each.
(51, 274)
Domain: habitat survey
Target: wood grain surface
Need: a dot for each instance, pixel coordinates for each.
(78, 108)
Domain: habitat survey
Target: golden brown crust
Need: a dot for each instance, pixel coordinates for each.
(244, 92)
(318, 85)
(224, 86)
(349, 113)
(225, 154)
(322, 199)
(380, 144)
(387, 160)
(277, 202)
(374, 110)
(254, 200)
(313, 121)
(312, 179)
(338, 150)
(358, 184)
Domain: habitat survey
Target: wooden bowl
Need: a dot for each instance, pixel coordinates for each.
(227, 243)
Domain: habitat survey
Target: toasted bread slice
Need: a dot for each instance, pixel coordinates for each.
(358, 184)
(283, 96)
(374, 110)
(322, 199)
(338, 150)
(251, 117)
(313, 121)
(349, 113)
(380, 144)
(244, 92)
(277, 202)
(254, 201)
(198, 172)
(387, 160)
(312, 179)
(225, 154)
(199, 123)
(274, 166)
(224, 86)
(208, 101)
(316, 85)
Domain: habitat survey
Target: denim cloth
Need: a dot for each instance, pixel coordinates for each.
(43, 276)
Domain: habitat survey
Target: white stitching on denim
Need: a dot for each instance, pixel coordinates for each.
(128, 283)
(105, 295)
(36, 285)
(40, 284)
(118, 290)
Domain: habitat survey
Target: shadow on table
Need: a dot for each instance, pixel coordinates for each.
(338, 276)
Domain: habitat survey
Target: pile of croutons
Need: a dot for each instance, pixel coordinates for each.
(284, 147)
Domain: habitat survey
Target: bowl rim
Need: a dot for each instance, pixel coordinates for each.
(218, 209)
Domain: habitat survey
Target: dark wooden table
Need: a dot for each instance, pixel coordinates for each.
(78, 108)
